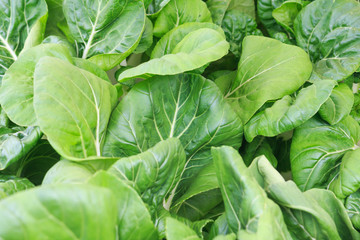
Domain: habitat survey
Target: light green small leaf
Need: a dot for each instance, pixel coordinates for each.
(153, 7)
(11, 184)
(266, 64)
(177, 12)
(286, 13)
(79, 100)
(289, 113)
(68, 212)
(338, 106)
(176, 230)
(17, 89)
(220, 227)
(91, 67)
(195, 50)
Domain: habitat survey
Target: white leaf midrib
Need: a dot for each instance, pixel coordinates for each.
(8, 48)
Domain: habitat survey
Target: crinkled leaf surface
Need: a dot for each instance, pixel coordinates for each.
(289, 113)
(339, 104)
(11, 184)
(266, 64)
(16, 143)
(329, 31)
(105, 31)
(185, 106)
(133, 218)
(352, 205)
(265, 10)
(154, 173)
(17, 89)
(66, 211)
(17, 19)
(317, 148)
(73, 107)
(195, 50)
(177, 12)
(248, 210)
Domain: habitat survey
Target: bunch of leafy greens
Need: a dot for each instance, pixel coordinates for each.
(179, 119)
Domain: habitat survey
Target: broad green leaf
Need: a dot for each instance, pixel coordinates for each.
(348, 179)
(66, 171)
(154, 173)
(248, 210)
(171, 39)
(289, 112)
(176, 230)
(224, 81)
(91, 67)
(56, 15)
(265, 65)
(231, 236)
(66, 212)
(18, 20)
(11, 184)
(286, 13)
(335, 208)
(185, 106)
(146, 38)
(220, 227)
(35, 164)
(79, 100)
(317, 148)
(259, 146)
(61, 40)
(218, 8)
(17, 88)
(195, 50)
(265, 10)
(133, 218)
(153, 7)
(177, 12)
(352, 205)
(16, 143)
(105, 31)
(338, 105)
(329, 31)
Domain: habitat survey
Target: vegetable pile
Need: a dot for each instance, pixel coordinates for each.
(179, 119)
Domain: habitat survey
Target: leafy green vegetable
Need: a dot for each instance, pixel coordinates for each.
(176, 230)
(11, 184)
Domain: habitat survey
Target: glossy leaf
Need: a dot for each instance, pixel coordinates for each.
(56, 15)
(105, 31)
(186, 106)
(153, 7)
(133, 218)
(177, 12)
(317, 148)
(266, 64)
(329, 31)
(288, 112)
(338, 106)
(195, 50)
(259, 146)
(348, 179)
(64, 211)
(220, 227)
(265, 10)
(176, 230)
(21, 23)
(146, 38)
(248, 210)
(81, 101)
(11, 184)
(286, 13)
(352, 205)
(154, 173)
(16, 143)
(17, 89)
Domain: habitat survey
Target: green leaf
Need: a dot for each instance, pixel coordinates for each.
(218, 8)
(17, 20)
(335, 208)
(317, 148)
(338, 106)
(61, 211)
(177, 12)
(91, 67)
(265, 10)
(248, 210)
(79, 100)
(11, 184)
(329, 31)
(61, 40)
(348, 179)
(176, 230)
(154, 173)
(153, 7)
(265, 65)
(286, 13)
(288, 112)
(17, 89)
(133, 218)
(146, 38)
(56, 15)
(195, 50)
(105, 31)
(259, 146)
(220, 227)
(185, 106)
(352, 205)
(16, 143)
